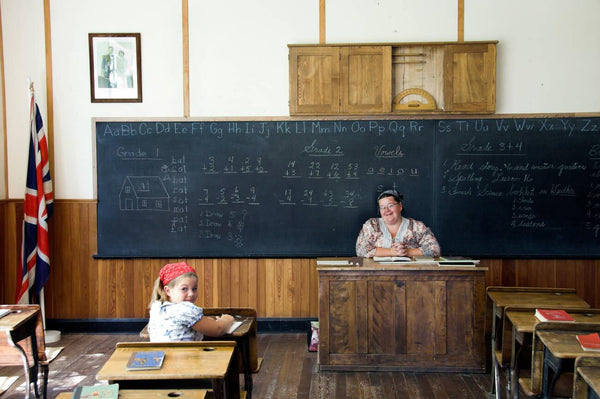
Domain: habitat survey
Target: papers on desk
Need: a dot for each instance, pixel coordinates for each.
(234, 326)
(4, 312)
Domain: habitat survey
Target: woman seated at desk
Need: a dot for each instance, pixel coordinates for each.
(394, 235)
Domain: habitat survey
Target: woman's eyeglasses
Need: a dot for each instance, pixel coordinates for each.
(388, 206)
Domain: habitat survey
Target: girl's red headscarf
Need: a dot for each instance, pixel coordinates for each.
(171, 271)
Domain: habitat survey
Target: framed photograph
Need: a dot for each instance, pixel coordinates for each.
(115, 67)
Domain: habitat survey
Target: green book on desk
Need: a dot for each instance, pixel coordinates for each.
(110, 391)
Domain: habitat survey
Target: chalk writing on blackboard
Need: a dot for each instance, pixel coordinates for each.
(486, 187)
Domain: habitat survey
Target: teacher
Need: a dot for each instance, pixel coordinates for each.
(395, 235)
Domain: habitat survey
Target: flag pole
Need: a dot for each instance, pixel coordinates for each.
(50, 336)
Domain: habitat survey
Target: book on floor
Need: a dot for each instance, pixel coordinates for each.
(145, 360)
(553, 315)
(589, 342)
(110, 391)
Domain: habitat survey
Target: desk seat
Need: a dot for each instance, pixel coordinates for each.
(586, 381)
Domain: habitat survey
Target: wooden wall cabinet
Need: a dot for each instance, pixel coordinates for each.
(333, 80)
(392, 78)
(401, 318)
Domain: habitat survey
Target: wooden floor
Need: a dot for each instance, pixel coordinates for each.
(288, 371)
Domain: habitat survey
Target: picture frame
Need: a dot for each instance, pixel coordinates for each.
(115, 67)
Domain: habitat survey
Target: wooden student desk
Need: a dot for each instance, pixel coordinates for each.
(244, 336)
(521, 322)
(22, 343)
(499, 298)
(185, 365)
(152, 394)
(555, 348)
(586, 381)
(410, 316)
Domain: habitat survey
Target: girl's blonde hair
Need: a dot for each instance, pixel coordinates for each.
(158, 292)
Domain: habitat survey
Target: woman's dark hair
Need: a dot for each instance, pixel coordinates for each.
(394, 194)
(391, 193)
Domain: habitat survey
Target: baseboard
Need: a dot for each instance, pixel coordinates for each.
(128, 326)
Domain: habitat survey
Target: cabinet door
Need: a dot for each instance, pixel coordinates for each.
(314, 80)
(366, 79)
(470, 78)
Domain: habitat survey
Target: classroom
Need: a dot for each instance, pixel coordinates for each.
(218, 92)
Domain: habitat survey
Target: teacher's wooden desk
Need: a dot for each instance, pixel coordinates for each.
(501, 297)
(407, 316)
(186, 365)
(22, 342)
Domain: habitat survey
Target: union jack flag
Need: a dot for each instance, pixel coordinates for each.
(34, 259)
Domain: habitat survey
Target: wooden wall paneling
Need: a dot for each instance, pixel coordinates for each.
(298, 287)
(565, 276)
(81, 287)
(509, 273)
(587, 280)
(289, 284)
(236, 286)
(261, 302)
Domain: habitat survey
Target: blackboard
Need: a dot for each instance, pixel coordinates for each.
(501, 187)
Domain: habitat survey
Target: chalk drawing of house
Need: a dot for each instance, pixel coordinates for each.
(143, 193)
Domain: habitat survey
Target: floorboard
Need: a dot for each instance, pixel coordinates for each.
(288, 371)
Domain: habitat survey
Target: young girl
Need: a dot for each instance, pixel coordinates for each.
(173, 315)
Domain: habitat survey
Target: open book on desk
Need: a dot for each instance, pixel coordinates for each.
(354, 261)
(391, 259)
(457, 261)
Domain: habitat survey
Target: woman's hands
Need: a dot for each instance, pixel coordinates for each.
(399, 249)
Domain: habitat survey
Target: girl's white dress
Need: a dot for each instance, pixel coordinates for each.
(174, 321)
